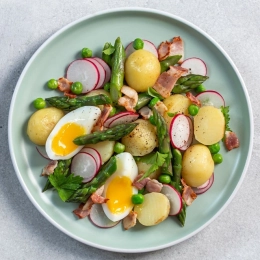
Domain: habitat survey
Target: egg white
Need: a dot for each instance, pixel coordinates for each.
(85, 116)
(126, 166)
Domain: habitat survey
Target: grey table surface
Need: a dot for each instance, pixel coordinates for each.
(24, 26)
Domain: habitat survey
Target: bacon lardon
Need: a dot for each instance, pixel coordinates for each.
(231, 140)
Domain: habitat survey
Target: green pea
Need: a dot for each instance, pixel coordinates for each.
(153, 102)
(217, 158)
(52, 84)
(200, 88)
(193, 110)
(119, 147)
(76, 88)
(137, 198)
(86, 53)
(214, 148)
(138, 44)
(141, 191)
(164, 178)
(107, 87)
(113, 111)
(151, 120)
(39, 103)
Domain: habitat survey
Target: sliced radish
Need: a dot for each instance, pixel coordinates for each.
(148, 46)
(95, 154)
(174, 197)
(190, 139)
(180, 131)
(101, 70)
(204, 187)
(106, 68)
(195, 66)
(84, 165)
(121, 118)
(99, 218)
(211, 98)
(85, 72)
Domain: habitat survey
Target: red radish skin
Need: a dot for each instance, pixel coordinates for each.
(174, 197)
(106, 68)
(190, 139)
(101, 70)
(121, 118)
(204, 187)
(179, 131)
(211, 98)
(99, 218)
(195, 66)
(84, 165)
(148, 46)
(95, 154)
(84, 71)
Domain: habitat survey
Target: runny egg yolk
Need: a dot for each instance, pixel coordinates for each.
(62, 143)
(119, 193)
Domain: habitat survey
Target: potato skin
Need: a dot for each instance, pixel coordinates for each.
(176, 104)
(41, 124)
(142, 69)
(142, 140)
(197, 165)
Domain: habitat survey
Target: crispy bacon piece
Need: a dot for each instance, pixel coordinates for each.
(188, 194)
(167, 80)
(160, 107)
(84, 209)
(145, 112)
(193, 99)
(64, 85)
(97, 196)
(231, 140)
(130, 99)
(103, 117)
(49, 168)
(175, 47)
(140, 184)
(130, 220)
(69, 95)
(153, 186)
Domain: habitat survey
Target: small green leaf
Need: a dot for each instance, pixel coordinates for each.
(152, 92)
(225, 111)
(110, 50)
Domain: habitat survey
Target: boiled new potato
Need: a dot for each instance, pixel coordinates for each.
(142, 69)
(142, 140)
(144, 167)
(176, 104)
(153, 210)
(197, 165)
(41, 124)
(105, 149)
(209, 125)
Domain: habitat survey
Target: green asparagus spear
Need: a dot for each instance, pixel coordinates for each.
(176, 166)
(62, 167)
(69, 104)
(111, 134)
(182, 215)
(169, 61)
(107, 52)
(85, 191)
(163, 140)
(143, 99)
(117, 71)
(188, 82)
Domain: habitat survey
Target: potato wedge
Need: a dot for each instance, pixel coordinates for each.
(153, 210)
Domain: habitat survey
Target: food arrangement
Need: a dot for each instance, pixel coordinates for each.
(135, 135)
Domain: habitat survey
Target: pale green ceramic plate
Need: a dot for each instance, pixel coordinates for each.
(50, 61)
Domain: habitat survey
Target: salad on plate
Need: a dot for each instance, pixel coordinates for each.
(133, 135)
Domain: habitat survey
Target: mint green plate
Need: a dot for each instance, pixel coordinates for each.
(51, 60)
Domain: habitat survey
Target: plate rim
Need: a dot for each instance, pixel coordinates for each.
(117, 10)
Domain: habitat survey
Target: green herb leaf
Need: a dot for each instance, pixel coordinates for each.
(225, 111)
(156, 160)
(152, 92)
(110, 50)
(65, 185)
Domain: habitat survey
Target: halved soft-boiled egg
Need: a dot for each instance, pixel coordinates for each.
(59, 144)
(118, 188)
